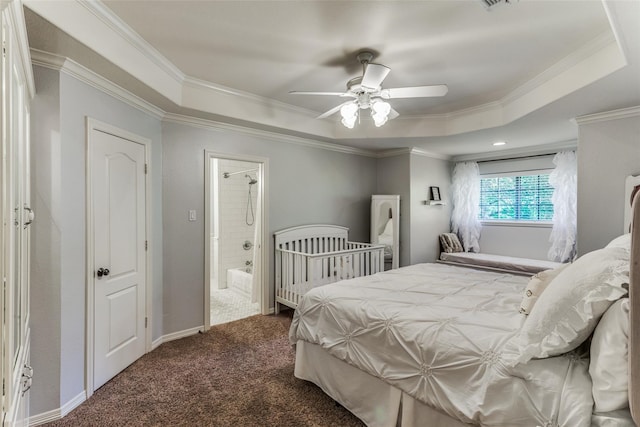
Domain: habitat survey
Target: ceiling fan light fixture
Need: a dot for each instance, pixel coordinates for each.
(379, 120)
(349, 122)
(367, 93)
(380, 112)
(349, 113)
(381, 107)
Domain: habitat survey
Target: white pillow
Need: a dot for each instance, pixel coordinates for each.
(623, 241)
(568, 310)
(537, 284)
(609, 359)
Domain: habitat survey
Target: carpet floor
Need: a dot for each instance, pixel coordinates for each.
(235, 374)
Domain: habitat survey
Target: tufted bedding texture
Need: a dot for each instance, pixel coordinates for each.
(437, 332)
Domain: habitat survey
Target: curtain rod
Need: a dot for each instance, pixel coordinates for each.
(515, 158)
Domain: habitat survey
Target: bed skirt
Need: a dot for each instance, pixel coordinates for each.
(375, 402)
(379, 404)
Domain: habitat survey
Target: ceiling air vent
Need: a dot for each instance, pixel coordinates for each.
(490, 4)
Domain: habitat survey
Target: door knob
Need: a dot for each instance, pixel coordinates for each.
(102, 272)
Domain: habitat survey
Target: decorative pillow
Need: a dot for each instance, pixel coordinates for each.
(450, 243)
(536, 286)
(567, 311)
(623, 241)
(609, 359)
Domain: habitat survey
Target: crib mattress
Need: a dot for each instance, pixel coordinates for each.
(501, 262)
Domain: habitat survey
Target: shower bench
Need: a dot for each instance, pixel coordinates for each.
(314, 255)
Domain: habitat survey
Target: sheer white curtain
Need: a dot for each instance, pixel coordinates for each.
(564, 180)
(466, 205)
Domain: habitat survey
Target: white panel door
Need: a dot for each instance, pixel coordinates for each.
(118, 207)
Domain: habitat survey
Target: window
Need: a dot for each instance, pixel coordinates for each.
(516, 197)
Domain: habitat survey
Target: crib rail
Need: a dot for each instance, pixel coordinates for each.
(305, 266)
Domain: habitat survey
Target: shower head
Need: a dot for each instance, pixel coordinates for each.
(251, 179)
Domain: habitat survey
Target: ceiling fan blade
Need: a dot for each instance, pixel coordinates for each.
(373, 76)
(296, 92)
(393, 114)
(414, 92)
(332, 111)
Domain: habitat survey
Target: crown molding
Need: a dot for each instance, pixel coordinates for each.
(121, 28)
(598, 44)
(393, 152)
(595, 46)
(430, 154)
(276, 137)
(90, 23)
(614, 23)
(73, 69)
(622, 113)
(261, 100)
(411, 151)
(118, 26)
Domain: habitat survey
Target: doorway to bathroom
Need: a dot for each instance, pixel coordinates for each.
(235, 216)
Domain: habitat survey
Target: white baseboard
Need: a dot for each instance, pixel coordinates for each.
(175, 336)
(73, 403)
(56, 414)
(45, 417)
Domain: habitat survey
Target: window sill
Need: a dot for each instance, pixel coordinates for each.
(501, 223)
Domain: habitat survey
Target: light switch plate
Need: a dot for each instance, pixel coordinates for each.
(192, 215)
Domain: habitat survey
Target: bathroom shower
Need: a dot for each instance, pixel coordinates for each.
(235, 273)
(252, 181)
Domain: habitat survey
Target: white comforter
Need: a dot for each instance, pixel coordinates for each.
(437, 333)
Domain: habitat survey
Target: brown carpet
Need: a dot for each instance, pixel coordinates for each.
(236, 374)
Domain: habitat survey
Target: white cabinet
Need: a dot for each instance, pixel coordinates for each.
(17, 90)
(385, 227)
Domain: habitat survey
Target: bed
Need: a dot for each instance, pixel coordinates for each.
(308, 256)
(441, 345)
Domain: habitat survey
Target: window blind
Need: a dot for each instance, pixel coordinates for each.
(516, 198)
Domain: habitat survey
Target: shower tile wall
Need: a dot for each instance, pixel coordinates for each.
(234, 231)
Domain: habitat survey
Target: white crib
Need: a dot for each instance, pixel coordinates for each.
(313, 255)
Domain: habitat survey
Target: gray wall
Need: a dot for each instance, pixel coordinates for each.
(428, 221)
(394, 177)
(608, 151)
(410, 176)
(306, 185)
(519, 241)
(61, 143)
(46, 241)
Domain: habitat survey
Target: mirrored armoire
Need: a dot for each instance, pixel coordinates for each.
(385, 227)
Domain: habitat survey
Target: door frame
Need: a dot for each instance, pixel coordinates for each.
(95, 125)
(263, 177)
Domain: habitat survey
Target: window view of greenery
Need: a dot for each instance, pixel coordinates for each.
(516, 198)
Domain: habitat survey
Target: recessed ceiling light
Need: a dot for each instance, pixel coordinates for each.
(499, 143)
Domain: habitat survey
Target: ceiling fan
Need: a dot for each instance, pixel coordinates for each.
(367, 93)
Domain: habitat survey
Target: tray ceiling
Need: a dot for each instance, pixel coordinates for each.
(239, 59)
